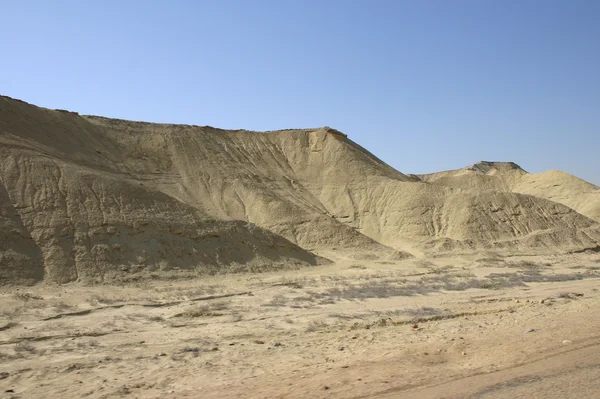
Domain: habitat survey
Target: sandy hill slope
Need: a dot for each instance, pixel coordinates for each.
(562, 187)
(76, 206)
(554, 185)
(92, 198)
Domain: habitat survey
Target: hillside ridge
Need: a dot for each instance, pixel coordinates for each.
(88, 198)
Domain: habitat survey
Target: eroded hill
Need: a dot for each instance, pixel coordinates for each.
(554, 185)
(96, 199)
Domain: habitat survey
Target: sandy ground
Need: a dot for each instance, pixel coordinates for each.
(463, 327)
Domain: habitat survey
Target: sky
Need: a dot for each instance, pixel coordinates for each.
(424, 85)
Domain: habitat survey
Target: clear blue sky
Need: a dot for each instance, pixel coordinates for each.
(424, 85)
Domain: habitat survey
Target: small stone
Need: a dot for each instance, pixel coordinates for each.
(566, 342)
(341, 348)
(464, 353)
(215, 349)
(354, 336)
(542, 300)
(325, 387)
(4, 374)
(258, 341)
(415, 326)
(530, 330)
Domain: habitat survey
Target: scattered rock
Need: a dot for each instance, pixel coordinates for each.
(258, 341)
(530, 330)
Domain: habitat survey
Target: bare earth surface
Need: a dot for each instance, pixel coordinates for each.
(147, 260)
(447, 328)
(102, 201)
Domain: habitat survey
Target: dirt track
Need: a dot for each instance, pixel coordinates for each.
(573, 373)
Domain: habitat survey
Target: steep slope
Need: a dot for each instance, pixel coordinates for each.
(20, 258)
(71, 209)
(320, 189)
(104, 199)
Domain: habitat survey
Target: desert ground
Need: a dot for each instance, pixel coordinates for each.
(147, 260)
(487, 327)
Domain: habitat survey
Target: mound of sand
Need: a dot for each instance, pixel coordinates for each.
(553, 185)
(564, 188)
(96, 199)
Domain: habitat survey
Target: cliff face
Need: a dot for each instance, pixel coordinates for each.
(97, 199)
